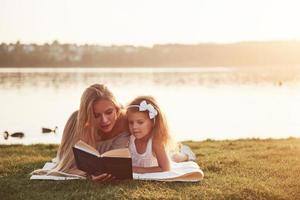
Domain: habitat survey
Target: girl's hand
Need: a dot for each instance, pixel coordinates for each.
(133, 169)
(136, 169)
(102, 177)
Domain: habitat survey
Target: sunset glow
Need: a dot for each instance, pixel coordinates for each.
(141, 22)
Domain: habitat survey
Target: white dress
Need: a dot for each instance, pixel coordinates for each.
(146, 159)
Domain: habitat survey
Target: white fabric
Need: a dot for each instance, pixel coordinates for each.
(62, 177)
(188, 151)
(184, 172)
(146, 107)
(146, 159)
(56, 178)
(152, 111)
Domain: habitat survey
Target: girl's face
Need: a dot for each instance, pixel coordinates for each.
(140, 125)
(105, 114)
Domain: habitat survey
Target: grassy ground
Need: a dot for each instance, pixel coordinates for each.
(239, 169)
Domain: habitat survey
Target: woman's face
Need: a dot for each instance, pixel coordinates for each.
(140, 124)
(105, 114)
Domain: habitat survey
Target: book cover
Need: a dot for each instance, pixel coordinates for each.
(116, 162)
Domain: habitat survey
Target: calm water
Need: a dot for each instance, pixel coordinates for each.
(200, 103)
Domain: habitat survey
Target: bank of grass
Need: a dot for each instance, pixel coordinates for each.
(239, 169)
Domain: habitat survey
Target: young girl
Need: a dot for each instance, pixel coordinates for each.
(150, 136)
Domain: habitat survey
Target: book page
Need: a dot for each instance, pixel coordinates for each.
(87, 148)
(123, 153)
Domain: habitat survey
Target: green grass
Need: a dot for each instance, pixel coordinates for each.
(239, 169)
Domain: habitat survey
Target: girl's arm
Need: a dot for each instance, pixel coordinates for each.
(162, 159)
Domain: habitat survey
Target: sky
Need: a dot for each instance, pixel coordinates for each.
(148, 22)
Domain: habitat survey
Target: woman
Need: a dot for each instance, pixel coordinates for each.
(100, 122)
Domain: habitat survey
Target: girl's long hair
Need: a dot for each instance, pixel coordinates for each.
(80, 126)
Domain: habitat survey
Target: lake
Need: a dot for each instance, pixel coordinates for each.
(200, 103)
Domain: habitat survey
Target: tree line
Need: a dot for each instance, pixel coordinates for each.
(167, 55)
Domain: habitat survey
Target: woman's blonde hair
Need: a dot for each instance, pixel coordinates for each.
(160, 129)
(80, 126)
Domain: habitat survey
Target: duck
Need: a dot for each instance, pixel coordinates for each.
(15, 134)
(49, 130)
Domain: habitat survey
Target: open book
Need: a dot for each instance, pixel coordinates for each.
(116, 162)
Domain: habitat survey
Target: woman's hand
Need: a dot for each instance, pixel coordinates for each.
(102, 177)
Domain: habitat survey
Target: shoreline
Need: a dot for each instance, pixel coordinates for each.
(183, 141)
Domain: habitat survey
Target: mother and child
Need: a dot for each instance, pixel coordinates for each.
(104, 124)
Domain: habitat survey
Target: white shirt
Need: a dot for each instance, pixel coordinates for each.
(146, 159)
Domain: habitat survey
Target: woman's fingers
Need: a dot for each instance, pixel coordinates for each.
(108, 178)
(102, 177)
(99, 177)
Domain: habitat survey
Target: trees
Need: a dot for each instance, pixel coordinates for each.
(72, 55)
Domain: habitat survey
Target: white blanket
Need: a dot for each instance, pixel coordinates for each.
(184, 171)
(62, 177)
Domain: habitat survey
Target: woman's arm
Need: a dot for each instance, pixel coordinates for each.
(162, 159)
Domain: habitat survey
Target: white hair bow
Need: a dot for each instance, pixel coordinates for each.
(144, 106)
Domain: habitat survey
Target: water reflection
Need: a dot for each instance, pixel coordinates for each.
(217, 103)
(123, 76)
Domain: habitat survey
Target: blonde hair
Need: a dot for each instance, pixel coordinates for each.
(80, 126)
(160, 131)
